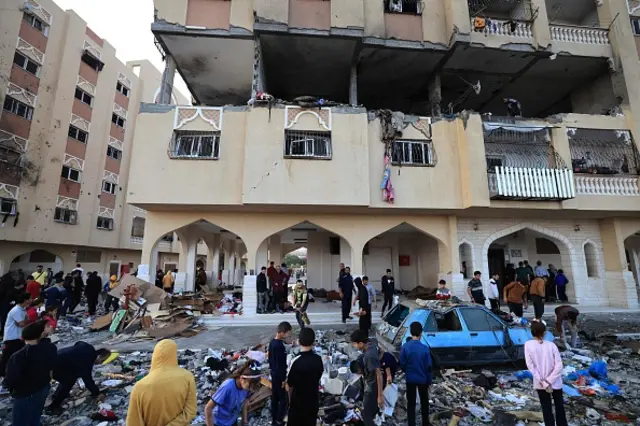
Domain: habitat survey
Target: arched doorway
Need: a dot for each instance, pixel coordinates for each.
(467, 265)
(411, 254)
(28, 262)
(532, 243)
(632, 254)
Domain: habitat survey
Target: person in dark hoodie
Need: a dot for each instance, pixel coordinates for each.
(346, 293)
(73, 363)
(388, 288)
(364, 314)
(92, 291)
(78, 288)
(28, 375)
(261, 289)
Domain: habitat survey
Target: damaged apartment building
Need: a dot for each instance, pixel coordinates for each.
(432, 138)
(66, 131)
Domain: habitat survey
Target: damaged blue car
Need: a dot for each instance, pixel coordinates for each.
(457, 333)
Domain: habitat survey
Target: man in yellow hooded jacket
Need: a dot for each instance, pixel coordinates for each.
(167, 395)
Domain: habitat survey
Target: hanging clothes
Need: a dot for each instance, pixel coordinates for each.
(387, 187)
(479, 23)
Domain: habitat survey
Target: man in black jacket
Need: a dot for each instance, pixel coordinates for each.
(92, 291)
(388, 288)
(346, 293)
(261, 289)
(28, 375)
(73, 363)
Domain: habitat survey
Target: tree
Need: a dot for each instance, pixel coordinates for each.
(293, 260)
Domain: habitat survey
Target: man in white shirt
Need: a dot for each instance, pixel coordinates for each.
(494, 299)
(16, 320)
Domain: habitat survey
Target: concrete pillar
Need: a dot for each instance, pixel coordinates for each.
(213, 256)
(346, 253)
(185, 279)
(232, 262)
(353, 84)
(435, 95)
(166, 86)
(540, 27)
(621, 287)
(357, 258)
(262, 257)
(275, 249)
(449, 257)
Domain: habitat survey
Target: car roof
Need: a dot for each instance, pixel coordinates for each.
(441, 306)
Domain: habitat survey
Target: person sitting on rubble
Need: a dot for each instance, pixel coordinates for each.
(443, 292)
(303, 382)
(230, 400)
(167, 395)
(278, 369)
(29, 374)
(415, 361)
(544, 361)
(300, 304)
(567, 317)
(73, 363)
(373, 398)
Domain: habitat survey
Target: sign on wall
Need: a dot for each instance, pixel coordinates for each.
(404, 260)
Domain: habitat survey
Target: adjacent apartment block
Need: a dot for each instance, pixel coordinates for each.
(66, 131)
(433, 138)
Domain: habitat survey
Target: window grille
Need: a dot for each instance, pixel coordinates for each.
(105, 223)
(67, 216)
(307, 144)
(195, 145)
(7, 206)
(413, 153)
(89, 256)
(403, 6)
(603, 152)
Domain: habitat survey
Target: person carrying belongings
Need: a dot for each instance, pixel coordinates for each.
(300, 304)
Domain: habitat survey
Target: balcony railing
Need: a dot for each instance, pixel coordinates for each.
(136, 240)
(531, 184)
(579, 34)
(501, 27)
(603, 185)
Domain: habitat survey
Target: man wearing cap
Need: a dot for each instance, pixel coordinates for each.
(73, 363)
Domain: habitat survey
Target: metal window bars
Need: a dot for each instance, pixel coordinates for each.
(195, 145)
(404, 6)
(414, 153)
(517, 10)
(307, 144)
(603, 152)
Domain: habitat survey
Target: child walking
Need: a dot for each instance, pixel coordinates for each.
(415, 361)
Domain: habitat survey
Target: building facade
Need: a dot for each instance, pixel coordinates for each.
(66, 133)
(433, 138)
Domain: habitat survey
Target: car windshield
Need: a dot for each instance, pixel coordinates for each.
(396, 316)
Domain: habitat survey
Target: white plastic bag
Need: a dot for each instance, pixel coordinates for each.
(390, 394)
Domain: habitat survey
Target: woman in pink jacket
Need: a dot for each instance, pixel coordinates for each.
(544, 362)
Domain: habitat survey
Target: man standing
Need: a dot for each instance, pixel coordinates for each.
(494, 299)
(373, 398)
(541, 271)
(514, 295)
(279, 289)
(303, 382)
(28, 375)
(340, 272)
(78, 268)
(40, 275)
(278, 368)
(201, 281)
(415, 361)
(92, 291)
(16, 320)
(346, 293)
(474, 289)
(537, 297)
(167, 281)
(73, 363)
(561, 285)
(33, 287)
(522, 274)
(388, 288)
(78, 288)
(261, 289)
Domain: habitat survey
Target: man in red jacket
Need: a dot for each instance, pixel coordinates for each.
(279, 285)
(33, 287)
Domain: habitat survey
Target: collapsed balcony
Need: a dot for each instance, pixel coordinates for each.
(605, 162)
(522, 164)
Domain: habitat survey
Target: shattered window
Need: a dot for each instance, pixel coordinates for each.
(479, 320)
(448, 321)
(417, 153)
(307, 144)
(199, 145)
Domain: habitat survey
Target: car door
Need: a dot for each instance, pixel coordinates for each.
(486, 335)
(447, 338)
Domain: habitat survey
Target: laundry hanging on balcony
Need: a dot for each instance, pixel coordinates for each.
(387, 187)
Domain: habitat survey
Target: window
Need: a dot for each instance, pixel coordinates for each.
(416, 153)
(117, 120)
(36, 23)
(18, 108)
(448, 321)
(479, 320)
(26, 64)
(67, 216)
(92, 61)
(137, 227)
(71, 174)
(114, 153)
(7, 206)
(591, 259)
(200, 145)
(403, 6)
(493, 163)
(83, 96)
(168, 238)
(635, 26)
(108, 187)
(88, 256)
(41, 256)
(122, 89)
(77, 134)
(307, 144)
(105, 223)
(545, 246)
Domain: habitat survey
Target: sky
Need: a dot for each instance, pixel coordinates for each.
(126, 25)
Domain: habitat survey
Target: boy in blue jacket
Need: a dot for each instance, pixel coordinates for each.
(415, 361)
